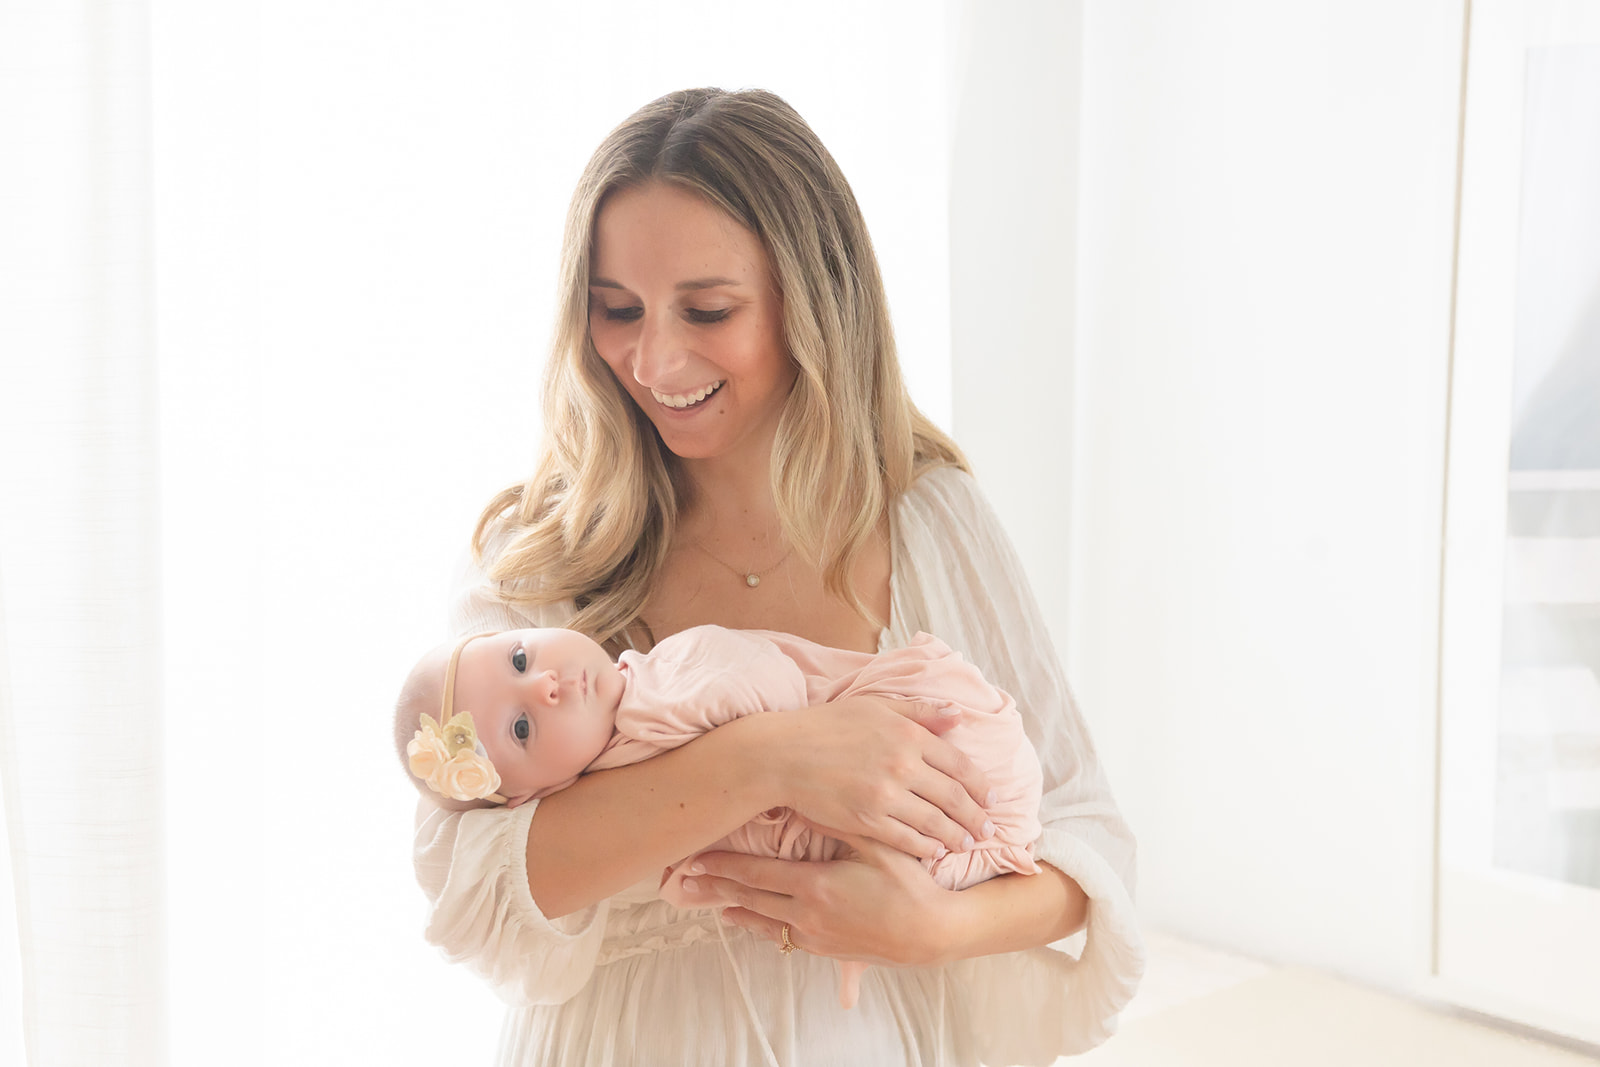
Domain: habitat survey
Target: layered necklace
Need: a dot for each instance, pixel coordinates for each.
(751, 578)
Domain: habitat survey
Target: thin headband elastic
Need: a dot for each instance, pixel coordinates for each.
(450, 673)
(446, 754)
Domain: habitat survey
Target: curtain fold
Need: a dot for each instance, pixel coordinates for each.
(80, 710)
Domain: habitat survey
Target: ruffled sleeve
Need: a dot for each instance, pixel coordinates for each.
(957, 576)
(473, 866)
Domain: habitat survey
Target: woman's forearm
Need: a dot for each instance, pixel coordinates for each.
(1012, 912)
(857, 765)
(611, 829)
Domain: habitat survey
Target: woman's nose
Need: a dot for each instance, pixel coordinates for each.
(659, 353)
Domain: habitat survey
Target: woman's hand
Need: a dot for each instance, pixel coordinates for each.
(876, 768)
(878, 905)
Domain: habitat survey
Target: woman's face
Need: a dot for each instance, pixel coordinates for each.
(683, 309)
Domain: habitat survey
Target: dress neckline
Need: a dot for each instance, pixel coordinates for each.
(886, 633)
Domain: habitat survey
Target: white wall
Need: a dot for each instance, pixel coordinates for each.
(1265, 261)
(1014, 103)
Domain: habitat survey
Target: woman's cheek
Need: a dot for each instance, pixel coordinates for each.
(610, 340)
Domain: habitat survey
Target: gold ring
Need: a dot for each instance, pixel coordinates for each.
(787, 946)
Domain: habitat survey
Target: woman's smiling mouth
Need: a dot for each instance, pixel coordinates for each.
(685, 400)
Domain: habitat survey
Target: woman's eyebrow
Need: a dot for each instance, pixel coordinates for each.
(693, 283)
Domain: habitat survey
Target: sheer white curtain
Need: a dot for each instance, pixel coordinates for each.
(82, 979)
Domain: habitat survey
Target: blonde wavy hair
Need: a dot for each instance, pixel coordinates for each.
(595, 521)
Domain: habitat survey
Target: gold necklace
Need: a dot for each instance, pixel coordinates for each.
(751, 578)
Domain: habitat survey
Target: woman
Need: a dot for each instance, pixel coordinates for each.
(728, 440)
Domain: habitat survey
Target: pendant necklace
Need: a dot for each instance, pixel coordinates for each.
(751, 578)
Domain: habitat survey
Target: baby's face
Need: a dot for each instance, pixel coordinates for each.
(543, 703)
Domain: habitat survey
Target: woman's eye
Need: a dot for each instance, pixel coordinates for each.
(622, 314)
(696, 315)
(519, 660)
(520, 728)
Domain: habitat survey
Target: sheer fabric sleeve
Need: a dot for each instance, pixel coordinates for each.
(958, 577)
(472, 866)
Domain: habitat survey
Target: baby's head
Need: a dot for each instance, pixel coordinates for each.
(505, 717)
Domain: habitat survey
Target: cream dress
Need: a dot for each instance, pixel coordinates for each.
(633, 980)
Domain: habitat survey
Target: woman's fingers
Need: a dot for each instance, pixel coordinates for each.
(876, 904)
(905, 833)
(779, 877)
(708, 891)
(870, 765)
(761, 926)
(957, 791)
(929, 824)
(945, 758)
(757, 884)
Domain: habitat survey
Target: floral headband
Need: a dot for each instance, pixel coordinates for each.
(449, 757)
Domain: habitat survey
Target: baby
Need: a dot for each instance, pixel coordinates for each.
(539, 707)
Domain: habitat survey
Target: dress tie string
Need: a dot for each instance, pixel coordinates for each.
(744, 992)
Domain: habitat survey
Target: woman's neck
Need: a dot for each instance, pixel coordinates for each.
(732, 499)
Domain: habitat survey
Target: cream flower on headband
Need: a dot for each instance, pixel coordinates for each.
(447, 758)
(426, 754)
(468, 776)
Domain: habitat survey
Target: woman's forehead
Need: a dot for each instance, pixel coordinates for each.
(667, 230)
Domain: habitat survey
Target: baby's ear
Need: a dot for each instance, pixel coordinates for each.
(547, 790)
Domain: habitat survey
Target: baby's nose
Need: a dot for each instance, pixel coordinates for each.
(548, 687)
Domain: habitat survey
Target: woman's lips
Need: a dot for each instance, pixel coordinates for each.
(687, 401)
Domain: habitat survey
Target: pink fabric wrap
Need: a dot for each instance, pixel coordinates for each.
(703, 677)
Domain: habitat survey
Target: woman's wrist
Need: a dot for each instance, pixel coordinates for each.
(610, 828)
(755, 752)
(1010, 913)
(764, 744)
(943, 934)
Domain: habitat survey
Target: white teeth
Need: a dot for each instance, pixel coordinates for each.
(683, 400)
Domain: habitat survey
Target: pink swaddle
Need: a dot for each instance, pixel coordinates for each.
(706, 676)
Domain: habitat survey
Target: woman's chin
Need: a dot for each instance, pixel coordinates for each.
(690, 446)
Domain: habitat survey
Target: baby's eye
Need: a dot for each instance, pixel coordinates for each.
(519, 659)
(520, 728)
